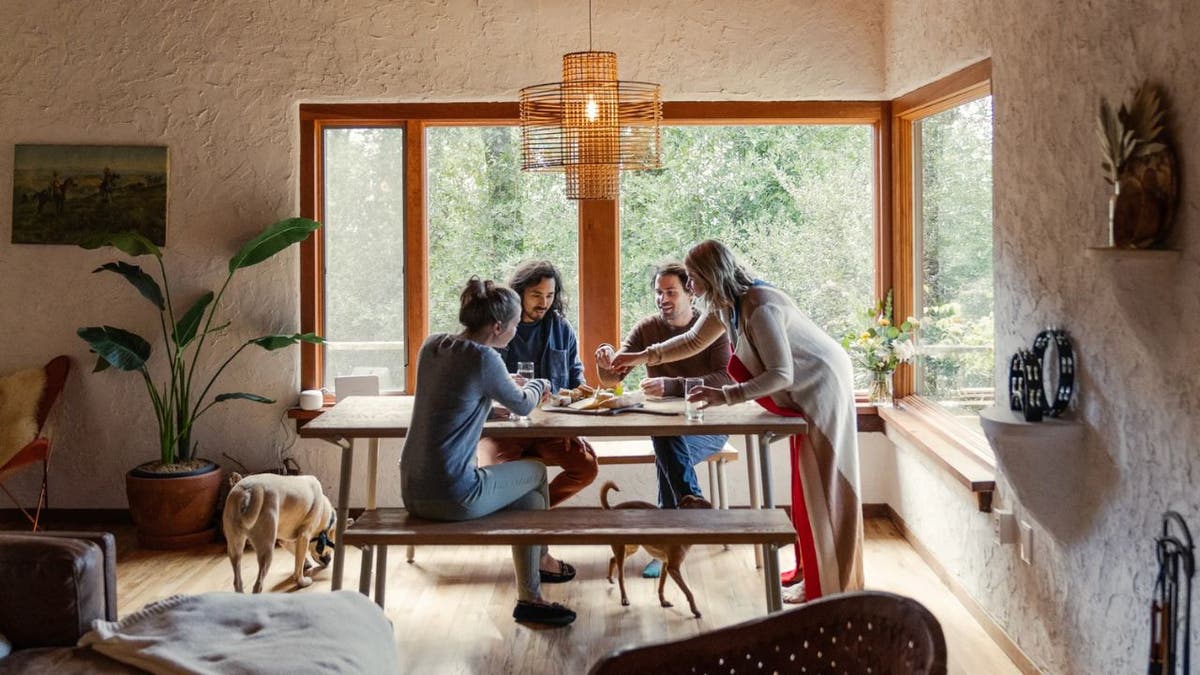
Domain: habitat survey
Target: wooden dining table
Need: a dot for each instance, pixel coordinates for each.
(378, 417)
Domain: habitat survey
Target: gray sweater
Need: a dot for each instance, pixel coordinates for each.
(457, 380)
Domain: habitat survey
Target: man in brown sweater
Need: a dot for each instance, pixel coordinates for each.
(676, 456)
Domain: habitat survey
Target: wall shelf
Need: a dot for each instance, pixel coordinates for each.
(1041, 460)
(1138, 273)
(1113, 253)
(1008, 425)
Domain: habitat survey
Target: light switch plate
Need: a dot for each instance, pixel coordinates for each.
(1004, 526)
(1026, 542)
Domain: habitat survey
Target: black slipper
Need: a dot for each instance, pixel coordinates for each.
(564, 574)
(551, 615)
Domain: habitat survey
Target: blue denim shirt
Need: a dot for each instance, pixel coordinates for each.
(554, 352)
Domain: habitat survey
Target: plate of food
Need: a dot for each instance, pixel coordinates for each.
(599, 402)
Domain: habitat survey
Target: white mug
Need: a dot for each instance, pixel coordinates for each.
(312, 399)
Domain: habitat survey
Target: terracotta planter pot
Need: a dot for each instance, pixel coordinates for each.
(172, 511)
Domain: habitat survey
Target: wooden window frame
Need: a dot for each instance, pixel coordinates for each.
(968, 84)
(962, 451)
(598, 221)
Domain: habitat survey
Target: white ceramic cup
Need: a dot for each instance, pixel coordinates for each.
(312, 399)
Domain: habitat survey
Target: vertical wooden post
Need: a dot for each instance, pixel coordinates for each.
(599, 279)
(312, 254)
(416, 251)
(902, 239)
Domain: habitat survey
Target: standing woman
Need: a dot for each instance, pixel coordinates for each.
(458, 377)
(786, 363)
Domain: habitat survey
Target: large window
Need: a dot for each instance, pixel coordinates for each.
(941, 267)
(826, 199)
(364, 254)
(794, 201)
(416, 198)
(952, 249)
(486, 215)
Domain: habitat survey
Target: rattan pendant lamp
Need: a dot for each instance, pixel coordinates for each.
(591, 125)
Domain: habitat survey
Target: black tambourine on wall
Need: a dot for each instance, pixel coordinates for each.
(1027, 376)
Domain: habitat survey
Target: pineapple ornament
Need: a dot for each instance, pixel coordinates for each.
(1140, 165)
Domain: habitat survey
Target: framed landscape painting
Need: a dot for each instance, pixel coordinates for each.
(63, 194)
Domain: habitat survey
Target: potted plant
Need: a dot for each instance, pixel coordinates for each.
(881, 347)
(173, 499)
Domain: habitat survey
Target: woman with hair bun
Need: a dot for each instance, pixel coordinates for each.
(458, 378)
(788, 365)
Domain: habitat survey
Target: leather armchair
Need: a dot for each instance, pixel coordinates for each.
(54, 585)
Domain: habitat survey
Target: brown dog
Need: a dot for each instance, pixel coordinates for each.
(672, 556)
(265, 508)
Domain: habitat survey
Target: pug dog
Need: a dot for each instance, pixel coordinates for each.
(265, 508)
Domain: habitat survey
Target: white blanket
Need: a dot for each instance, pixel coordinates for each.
(338, 632)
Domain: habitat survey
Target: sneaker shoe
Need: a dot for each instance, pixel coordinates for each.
(549, 614)
(794, 594)
(653, 569)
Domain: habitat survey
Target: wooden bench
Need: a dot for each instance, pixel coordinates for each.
(641, 451)
(380, 528)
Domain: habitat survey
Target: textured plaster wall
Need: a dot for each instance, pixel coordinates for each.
(219, 84)
(1083, 605)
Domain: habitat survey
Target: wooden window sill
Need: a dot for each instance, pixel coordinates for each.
(962, 453)
(868, 417)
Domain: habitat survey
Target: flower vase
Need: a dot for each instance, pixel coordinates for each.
(879, 390)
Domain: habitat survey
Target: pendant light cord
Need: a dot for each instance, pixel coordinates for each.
(589, 25)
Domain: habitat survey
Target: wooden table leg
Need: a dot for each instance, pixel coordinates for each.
(713, 492)
(364, 570)
(764, 461)
(771, 577)
(771, 554)
(381, 573)
(343, 509)
(752, 482)
(722, 492)
(372, 471)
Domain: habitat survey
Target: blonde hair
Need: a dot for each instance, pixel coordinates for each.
(719, 269)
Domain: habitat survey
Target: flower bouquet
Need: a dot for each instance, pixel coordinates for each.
(881, 347)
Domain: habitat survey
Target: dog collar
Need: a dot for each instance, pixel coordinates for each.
(323, 538)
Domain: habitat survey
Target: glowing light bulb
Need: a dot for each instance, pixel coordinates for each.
(592, 109)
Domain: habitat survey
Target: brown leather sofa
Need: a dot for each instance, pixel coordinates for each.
(54, 585)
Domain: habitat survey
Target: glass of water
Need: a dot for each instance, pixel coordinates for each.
(692, 410)
(525, 370)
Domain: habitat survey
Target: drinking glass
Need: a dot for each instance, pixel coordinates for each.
(692, 410)
(525, 370)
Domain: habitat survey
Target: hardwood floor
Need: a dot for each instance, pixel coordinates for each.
(452, 608)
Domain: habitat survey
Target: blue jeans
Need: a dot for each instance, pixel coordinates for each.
(518, 485)
(675, 461)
